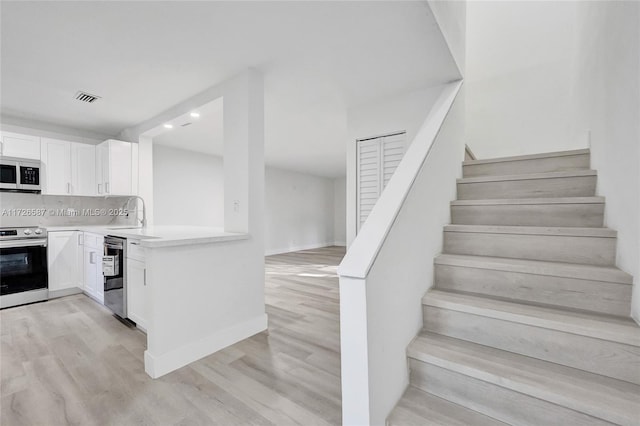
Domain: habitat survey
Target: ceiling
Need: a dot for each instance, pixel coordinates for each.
(204, 133)
(318, 59)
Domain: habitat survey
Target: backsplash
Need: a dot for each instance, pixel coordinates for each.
(22, 209)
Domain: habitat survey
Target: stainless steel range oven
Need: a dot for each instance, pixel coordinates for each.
(23, 266)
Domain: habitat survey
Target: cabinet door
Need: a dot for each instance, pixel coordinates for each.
(99, 277)
(62, 258)
(17, 145)
(91, 264)
(93, 278)
(118, 176)
(80, 260)
(56, 165)
(101, 151)
(137, 292)
(83, 169)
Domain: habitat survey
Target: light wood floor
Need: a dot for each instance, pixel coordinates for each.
(70, 362)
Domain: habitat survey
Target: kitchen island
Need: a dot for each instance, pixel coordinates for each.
(203, 291)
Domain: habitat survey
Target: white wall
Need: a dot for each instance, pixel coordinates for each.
(188, 187)
(189, 190)
(451, 17)
(389, 266)
(403, 112)
(519, 70)
(299, 211)
(609, 106)
(227, 305)
(340, 211)
(567, 76)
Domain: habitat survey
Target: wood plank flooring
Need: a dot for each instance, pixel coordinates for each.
(70, 362)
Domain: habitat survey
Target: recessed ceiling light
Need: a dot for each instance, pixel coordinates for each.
(168, 126)
(195, 114)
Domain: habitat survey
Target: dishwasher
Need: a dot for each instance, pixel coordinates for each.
(115, 278)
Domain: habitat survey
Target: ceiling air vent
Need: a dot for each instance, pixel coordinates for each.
(185, 125)
(86, 97)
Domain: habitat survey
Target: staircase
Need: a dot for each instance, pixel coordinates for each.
(528, 322)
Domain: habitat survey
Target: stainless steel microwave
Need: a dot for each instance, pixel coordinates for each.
(20, 174)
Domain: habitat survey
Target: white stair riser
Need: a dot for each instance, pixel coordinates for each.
(538, 165)
(570, 215)
(594, 355)
(492, 400)
(554, 248)
(594, 296)
(571, 186)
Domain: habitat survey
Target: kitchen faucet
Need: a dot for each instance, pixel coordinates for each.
(144, 210)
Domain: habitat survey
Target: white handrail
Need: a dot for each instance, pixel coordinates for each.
(365, 248)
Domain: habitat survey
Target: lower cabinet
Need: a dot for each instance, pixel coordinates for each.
(64, 263)
(75, 263)
(92, 261)
(137, 292)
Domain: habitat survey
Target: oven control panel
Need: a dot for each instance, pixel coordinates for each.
(22, 233)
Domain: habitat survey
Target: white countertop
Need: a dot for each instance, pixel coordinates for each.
(159, 236)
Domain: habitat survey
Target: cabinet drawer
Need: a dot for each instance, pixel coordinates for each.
(93, 240)
(134, 250)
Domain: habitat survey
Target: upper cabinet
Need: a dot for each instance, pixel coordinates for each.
(17, 145)
(115, 168)
(68, 167)
(56, 167)
(83, 171)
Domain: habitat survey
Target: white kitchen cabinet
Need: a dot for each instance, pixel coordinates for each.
(102, 152)
(83, 173)
(56, 167)
(68, 168)
(65, 269)
(137, 292)
(92, 259)
(114, 174)
(18, 145)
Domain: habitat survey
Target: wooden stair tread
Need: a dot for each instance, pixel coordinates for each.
(526, 157)
(606, 274)
(528, 176)
(610, 328)
(609, 399)
(419, 408)
(534, 230)
(530, 201)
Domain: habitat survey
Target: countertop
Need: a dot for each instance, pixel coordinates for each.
(159, 236)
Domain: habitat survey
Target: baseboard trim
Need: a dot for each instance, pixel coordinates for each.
(298, 248)
(97, 299)
(161, 364)
(64, 292)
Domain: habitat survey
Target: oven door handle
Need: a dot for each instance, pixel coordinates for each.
(42, 242)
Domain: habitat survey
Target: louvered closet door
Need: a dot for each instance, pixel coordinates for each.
(392, 152)
(377, 161)
(369, 187)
